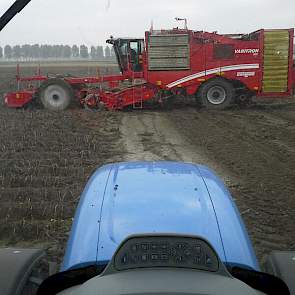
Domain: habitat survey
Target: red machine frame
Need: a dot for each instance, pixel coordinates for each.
(244, 70)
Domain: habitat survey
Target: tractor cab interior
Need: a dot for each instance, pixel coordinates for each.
(128, 53)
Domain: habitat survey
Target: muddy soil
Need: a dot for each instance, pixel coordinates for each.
(46, 159)
(253, 151)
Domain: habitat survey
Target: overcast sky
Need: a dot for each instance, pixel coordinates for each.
(92, 21)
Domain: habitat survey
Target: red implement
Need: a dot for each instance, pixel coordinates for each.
(18, 99)
(217, 69)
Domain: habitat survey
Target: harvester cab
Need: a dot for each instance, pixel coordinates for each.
(129, 53)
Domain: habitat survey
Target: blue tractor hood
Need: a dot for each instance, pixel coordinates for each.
(155, 197)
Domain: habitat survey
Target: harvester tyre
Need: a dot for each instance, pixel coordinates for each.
(56, 94)
(216, 94)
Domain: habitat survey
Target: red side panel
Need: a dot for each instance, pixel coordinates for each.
(244, 62)
(135, 96)
(18, 99)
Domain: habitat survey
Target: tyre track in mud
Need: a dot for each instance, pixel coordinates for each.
(151, 136)
(258, 149)
(252, 150)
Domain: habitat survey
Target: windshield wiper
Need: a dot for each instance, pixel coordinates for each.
(14, 9)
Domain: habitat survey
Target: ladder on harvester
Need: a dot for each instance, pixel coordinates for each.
(138, 96)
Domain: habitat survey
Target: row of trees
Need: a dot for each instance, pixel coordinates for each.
(36, 51)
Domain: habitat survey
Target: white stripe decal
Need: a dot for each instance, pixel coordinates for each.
(214, 71)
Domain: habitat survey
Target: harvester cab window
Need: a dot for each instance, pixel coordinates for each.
(124, 54)
(134, 51)
(135, 55)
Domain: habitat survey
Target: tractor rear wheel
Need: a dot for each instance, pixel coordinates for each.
(56, 94)
(216, 94)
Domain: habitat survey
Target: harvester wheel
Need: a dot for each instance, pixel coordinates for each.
(216, 94)
(244, 99)
(56, 94)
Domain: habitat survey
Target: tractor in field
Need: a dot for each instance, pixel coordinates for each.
(153, 228)
(216, 69)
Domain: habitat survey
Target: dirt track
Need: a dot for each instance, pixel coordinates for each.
(252, 150)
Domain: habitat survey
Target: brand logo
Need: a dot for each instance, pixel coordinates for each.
(247, 50)
(245, 74)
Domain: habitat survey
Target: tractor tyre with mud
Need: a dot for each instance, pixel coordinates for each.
(56, 94)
